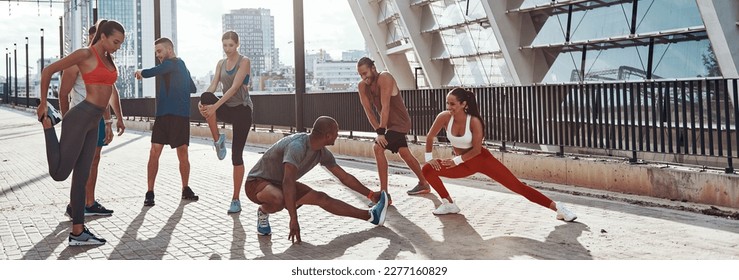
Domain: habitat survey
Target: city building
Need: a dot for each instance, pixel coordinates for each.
(353, 55)
(427, 43)
(335, 76)
(256, 30)
(138, 19)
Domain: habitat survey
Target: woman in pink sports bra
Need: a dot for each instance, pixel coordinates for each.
(465, 130)
(76, 149)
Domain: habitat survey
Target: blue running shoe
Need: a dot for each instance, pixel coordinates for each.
(221, 146)
(263, 223)
(377, 212)
(235, 206)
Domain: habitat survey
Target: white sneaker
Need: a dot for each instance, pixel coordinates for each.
(564, 213)
(446, 207)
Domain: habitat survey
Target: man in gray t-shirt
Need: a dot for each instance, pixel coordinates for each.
(272, 183)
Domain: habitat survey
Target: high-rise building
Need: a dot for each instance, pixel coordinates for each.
(256, 30)
(137, 52)
(448, 43)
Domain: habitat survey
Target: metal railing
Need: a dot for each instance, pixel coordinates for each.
(685, 117)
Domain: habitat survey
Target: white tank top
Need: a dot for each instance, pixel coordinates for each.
(78, 91)
(464, 141)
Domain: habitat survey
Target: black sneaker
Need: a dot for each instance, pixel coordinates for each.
(188, 194)
(85, 238)
(149, 201)
(97, 210)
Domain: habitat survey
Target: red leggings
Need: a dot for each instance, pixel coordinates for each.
(486, 164)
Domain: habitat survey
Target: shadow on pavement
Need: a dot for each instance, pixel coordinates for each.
(130, 247)
(239, 238)
(58, 236)
(337, 247)
(462, 241)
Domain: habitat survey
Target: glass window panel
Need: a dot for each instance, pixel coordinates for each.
(553, 30)
(446, 13)
(451, 43)
(685, 60)
(602, 22)
(474, 9)
(495, 69)
(484, 38)
(659, 15)
(618, 64)
(564, 69)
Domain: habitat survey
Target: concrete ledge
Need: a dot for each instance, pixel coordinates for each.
(661, 181)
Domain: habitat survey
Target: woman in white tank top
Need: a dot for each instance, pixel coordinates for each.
(465, 130)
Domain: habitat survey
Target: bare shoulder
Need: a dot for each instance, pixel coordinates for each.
(443, 117)
(385, 76)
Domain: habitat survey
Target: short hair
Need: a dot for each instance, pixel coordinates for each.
(324, 125)
(164, 40)
(92, 30)
(365, 61)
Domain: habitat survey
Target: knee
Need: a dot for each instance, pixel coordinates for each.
(236, 160)
(378, 149)
(427, 170)
(208, 98)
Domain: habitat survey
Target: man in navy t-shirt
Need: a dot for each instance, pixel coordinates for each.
(172, 123)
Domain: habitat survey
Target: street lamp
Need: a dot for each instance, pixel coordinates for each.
(42, 51)
(15, 67)
(7, 76)
(28, 84)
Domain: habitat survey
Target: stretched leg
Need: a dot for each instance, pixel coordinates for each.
(182, 156)
(152, 167)
(413, 164)
(62, 153)
(381, 165)
(433, 176)
(494, 169)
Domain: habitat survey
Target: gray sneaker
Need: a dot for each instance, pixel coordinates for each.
(85, 238)
(419, 189)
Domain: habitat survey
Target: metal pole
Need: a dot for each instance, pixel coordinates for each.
(61, 39)
(15, 68)
(7, 76)
(299, 63)
(42, 51)
(28, 84)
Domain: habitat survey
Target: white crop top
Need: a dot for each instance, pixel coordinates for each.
(464, 141)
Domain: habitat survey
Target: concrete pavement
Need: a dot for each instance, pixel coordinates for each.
(494, 223)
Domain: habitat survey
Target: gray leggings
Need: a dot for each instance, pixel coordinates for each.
(74, 151)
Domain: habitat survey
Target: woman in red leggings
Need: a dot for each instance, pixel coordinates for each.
(464, 129)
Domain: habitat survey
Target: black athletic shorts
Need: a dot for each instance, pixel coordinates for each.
(172, 130)
(395, 141)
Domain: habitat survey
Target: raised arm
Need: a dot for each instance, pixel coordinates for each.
(69, 77)
(74, 58)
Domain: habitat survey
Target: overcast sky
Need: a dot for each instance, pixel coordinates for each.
(328, 24)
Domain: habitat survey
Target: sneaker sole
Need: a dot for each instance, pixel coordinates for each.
(84, 243)
(383, 214)
(98, 214)
(264, 234)
(229, 212)
(419, 192)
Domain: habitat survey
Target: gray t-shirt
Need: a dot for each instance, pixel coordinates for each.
(294, 149)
